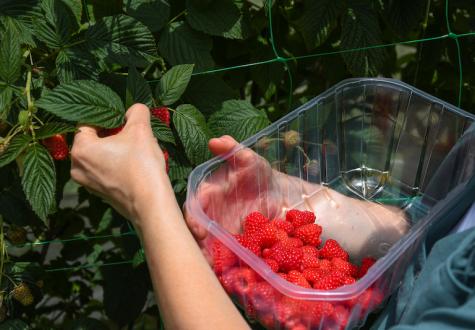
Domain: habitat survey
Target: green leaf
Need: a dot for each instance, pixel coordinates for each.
(194, 134)
(53, 128)
(137, 90)
(24, 270)
(122, 39)
(138, 259)
(16, 15)
(10, 57)
(215, 89)
(318, 21)
(404, 15)
(105, 222)
(162, 132)
(239, 119)
(220, 18)
(154, 14)
(39, 180)
(76, 8)
(85, 101)
(6, 94)
(178, 171)
(57, 25)
(74, 63)
(173, 83)
(179, 44)
(360, 28)
(14, 149)
(15, 324)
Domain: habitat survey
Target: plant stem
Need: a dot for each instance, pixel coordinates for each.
(177, 17)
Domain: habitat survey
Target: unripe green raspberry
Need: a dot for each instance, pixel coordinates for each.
(23, 117)
(16, 235)
(291, 139)
(22, 294)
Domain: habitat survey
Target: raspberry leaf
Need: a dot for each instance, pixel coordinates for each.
(84, 101)
(14, 149)
(137, 90)
(191, 127)
(154, 14)
(179, 44)
(10, 57)
(14, 324)
(74, 63)
(239, 119)
(216, 90)
(221, 18)
(39, 180)
(173, 83)
(162, 132)
(122, 39)
(53, 128)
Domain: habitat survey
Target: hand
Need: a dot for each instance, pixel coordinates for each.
(246, 183)
(124, 169)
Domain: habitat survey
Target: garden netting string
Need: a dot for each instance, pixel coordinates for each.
(278, 58)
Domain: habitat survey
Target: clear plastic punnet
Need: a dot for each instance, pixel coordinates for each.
(362, 156)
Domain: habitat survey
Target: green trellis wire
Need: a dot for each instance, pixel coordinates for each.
(277, 59)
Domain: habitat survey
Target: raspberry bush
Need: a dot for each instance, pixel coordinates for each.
(64, 62)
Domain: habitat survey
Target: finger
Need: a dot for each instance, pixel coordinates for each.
(85, 132)
(222, 145)
(137, 114)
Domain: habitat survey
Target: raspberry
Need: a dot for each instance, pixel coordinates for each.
(348, 280)
(284, 225)
(291, 139)
(299, 218)
(224, 258)
(265, 237)
(110, 131)
(292, 242)
(297, 277)
(345, 267)
(310, 261)
(367, 300)
(239, 281)
(22, 294)
(16, 235)
(262, 296)
(330, 281)
(366, 264)
(340, 316)
(325, 265)
(282, 235)
(283, 275)
(274, 265)
(57, 146)
(288, 258)
(162, 114)
(254, 222)
(249, 244)
(313, 275)
(331, 249)
(287, 310)
(309, 234)
(310, 250)
(166, 156)
(319, 311)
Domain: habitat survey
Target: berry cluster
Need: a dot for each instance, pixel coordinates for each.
(293, 249)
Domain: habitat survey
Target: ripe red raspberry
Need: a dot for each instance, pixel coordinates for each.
(265, 237)
(296, 277)
(274, 265)
(239, 281)
(163, 114)
(309, 234)
(331, 249)
(319, 312)
(282, 235)
(331, 281)
(369, 299)
(283, 275)
(284, 225)
(310, 250)
(366, 264)
(254, 222)
(223, 257)
(340, 316)
(57, 146)
(166, 156)
(324, 265)
(299, 218)
(313, 275)
(262, 296)
(249, 244)
(288, 258)
(287, 311)
(310, 261)
(345, 267)
(110, 131)
(292, 242)
(348, 280)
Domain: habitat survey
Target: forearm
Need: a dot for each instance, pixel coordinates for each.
(187, 291)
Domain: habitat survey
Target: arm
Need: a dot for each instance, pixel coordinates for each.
(128, 170)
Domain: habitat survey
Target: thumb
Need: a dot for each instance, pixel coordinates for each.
(137, 114)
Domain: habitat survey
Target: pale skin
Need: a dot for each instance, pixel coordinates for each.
(128, 171)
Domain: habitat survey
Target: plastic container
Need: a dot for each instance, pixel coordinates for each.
(361, 156)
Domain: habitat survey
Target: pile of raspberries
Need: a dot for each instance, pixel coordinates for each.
(293, 249)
